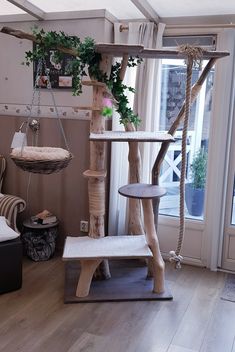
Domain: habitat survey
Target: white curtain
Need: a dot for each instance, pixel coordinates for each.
(146, 105)
(147, 98)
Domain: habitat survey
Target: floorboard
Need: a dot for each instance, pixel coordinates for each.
(192, 328)
(35, 319)
(221, 329)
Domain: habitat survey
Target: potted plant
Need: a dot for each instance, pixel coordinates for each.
(194, 190)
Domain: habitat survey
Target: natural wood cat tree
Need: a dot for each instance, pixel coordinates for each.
(144, 192)
(88, 250)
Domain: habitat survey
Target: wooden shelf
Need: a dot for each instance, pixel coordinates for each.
(119, 49)
(89, 108)
(95, 174)
(138, 50)
(142, 191)
(93, 83)
(122, 136)
(110, 247)
(174, 54)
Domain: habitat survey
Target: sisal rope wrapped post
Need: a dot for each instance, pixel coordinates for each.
(97, 163)
(96, 190)
(194, 55)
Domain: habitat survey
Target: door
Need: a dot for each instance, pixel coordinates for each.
(228, 257)
(210, 238)
(173, 79)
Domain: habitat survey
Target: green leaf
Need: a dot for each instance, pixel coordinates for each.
(87, 58)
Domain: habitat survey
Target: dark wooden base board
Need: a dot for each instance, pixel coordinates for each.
(128, 283)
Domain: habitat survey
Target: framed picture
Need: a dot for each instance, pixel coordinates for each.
(59, 72)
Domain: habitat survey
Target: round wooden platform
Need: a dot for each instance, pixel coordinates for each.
(142, 191)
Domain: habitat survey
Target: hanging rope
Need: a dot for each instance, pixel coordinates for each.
(194, 55)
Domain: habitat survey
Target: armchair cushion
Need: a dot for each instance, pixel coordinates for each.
(2, 169)
(10, 206)
(6, 233)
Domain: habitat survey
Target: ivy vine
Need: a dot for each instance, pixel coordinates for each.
(85, 59)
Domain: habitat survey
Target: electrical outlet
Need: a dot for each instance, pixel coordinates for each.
(84, 226)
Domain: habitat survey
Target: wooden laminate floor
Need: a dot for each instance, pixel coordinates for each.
(35, 319)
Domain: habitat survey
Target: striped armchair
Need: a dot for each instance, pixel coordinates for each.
(10, 205)
(2, 169)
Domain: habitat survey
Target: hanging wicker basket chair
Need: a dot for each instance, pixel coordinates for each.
(41, 160)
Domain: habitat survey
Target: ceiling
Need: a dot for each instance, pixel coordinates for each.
(123, 9)
(179, 8)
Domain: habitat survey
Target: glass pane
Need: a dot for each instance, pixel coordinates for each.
(233, 206)
(121, 9)
(172, 99)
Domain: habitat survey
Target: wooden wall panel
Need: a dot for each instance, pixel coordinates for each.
(63, 193)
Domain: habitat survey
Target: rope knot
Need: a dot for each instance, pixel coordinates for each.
(177, 259)
(193, 53)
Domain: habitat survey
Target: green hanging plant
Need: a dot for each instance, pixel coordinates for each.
(86, 58)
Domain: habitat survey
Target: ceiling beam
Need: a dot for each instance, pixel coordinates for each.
(146, 9)
(28, 7)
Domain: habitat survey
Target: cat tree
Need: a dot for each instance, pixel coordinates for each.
(88, 251)
(95, 248)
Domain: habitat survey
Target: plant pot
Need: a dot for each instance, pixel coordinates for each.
(194, 198)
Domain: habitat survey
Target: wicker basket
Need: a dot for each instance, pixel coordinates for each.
(42, 166)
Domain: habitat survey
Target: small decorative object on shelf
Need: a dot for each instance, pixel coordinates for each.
(44, 218)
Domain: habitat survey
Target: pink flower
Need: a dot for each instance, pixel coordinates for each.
(107, 102)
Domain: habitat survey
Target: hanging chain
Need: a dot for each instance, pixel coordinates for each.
(38, 112)
(47, 70)
(37, 89)
(29, 117)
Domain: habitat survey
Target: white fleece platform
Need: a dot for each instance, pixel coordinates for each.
(110, 247)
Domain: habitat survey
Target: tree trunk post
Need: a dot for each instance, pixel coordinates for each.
(88, 268)
(96, 189)
(158, 265)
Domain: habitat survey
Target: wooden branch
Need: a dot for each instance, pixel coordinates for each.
(135, 224)
(87, 271)
(152, 240)
(165, 145)
(23, 35)
(18, 34)
(124, 64)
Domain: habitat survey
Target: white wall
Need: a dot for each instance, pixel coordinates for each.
(16, 80)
